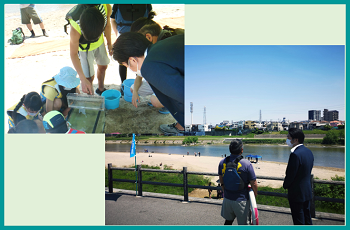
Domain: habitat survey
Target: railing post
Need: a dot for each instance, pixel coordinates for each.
(185, 184)
(110, 181)
(312, 205)
(139, 176)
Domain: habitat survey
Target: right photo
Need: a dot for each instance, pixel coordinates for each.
(264, 125)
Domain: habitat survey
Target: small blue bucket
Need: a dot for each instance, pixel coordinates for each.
(127, 83)
(128, 99)
(112, 98)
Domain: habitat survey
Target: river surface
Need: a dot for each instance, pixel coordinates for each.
(323, 156)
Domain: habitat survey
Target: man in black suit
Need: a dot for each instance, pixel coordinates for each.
(297, 180)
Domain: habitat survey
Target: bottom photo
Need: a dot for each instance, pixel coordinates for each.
(223, 180)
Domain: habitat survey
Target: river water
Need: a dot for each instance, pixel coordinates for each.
(323, 156)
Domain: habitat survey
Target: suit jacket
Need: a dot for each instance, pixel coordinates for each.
(163, 68)
(298, 174)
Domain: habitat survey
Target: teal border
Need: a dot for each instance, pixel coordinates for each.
(157, 2)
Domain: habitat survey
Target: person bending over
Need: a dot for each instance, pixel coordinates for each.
(87, 45)
(54, 91)
(162, 65)
(28, 107)
(54, 122)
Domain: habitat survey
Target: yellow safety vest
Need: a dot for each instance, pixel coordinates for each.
(76, 26)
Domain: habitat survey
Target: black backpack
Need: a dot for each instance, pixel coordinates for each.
(74, 14)
(232, 180)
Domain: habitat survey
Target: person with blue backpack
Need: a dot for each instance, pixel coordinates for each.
(235, 174)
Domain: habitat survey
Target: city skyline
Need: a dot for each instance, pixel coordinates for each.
(236, 82)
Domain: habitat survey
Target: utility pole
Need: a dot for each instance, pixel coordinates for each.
(191, 110)
(205, 116)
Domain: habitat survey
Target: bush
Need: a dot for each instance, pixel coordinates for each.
(189, 140)
(332, 191)
(331, 138)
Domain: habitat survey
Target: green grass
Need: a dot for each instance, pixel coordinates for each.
(175, 178)
(322, 190)
(278, 141)
(315, 131)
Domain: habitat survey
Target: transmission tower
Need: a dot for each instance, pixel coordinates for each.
(204, 117)
(191, 110)
(260, 117)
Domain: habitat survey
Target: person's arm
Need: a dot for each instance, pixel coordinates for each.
(73, 49)
(49, 105)
(291, 171)
(113, 22)
(222, 182)
(114, 26)
(254, 185)
(135, 94)
(77, 90)
(107, 31)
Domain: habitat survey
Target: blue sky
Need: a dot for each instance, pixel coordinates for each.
(236, 82)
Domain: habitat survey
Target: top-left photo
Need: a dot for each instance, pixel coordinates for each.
(94, 68)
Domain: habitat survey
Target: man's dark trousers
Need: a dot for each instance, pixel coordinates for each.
(301, 213)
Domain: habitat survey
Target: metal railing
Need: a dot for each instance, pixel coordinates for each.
(185, 184)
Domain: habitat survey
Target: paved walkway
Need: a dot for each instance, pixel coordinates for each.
(124, 208)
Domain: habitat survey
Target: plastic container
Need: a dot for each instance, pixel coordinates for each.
(84, 101)
(112, 98)
(128, 99)
(126, 87)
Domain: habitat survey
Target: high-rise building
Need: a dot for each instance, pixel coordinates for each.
(332, 115)
(315, 115)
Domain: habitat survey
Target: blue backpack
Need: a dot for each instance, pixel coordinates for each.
(232, 180)
(128, 13)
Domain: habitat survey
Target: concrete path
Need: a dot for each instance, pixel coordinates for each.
(122, 207)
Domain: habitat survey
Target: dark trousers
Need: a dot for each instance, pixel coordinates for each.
(301, 212)
(122, 72)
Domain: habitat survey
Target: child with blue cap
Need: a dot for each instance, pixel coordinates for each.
(54, 91)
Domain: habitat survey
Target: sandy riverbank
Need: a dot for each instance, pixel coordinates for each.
(210, 164)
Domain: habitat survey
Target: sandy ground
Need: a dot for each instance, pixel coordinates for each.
(210, 164)
(23, 75)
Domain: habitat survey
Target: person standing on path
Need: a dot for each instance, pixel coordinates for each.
(236, 201)
(297, 179)
(29, 12)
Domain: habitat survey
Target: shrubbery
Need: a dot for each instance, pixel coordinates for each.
(334, 137)
(189, 140)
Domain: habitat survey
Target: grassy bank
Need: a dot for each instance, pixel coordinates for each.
(322, 190)
(278, 141)
(175, 178)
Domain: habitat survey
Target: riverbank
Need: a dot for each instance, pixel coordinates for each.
(210, 164)
(178, 141)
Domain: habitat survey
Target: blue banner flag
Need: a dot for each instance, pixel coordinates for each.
(133, 146)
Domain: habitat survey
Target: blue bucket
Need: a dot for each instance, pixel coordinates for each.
(128, 99)
(126, 87)
(112, 98)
